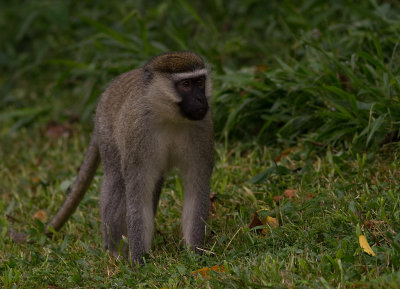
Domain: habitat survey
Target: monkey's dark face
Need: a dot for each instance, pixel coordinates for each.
(194, 103)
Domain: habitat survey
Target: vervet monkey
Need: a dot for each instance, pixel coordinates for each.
(147, 121)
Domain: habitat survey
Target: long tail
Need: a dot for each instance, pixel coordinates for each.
(86, 173)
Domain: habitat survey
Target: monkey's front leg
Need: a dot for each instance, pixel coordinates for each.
(196, 205)
(139, 213)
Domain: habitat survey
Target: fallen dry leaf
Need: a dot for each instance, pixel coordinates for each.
(17, 237)
(205, 271)
(257, 221)
(260, 68)
(278, 198)
(309, 196)
(379, 230)
(373, 224)
(41, 215)
(290, 193)
(273, 222)
(55, 131)
(365, 246)
(285, 153)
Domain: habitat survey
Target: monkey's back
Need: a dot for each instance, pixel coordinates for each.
(114, 97)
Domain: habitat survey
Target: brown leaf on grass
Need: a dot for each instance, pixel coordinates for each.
(260, 68)
(273, 222)
(309, 196)
(290, 193)
(257, 221)
(373, 224)
(205, 271)
(285, 153)
(41, 215)
(379, 230)
(278, 198)
(55, 131)
(17, 237)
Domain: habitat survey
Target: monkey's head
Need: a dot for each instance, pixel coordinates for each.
(178, 82)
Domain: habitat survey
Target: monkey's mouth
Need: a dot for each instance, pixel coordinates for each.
(201, 113)
(195, 114)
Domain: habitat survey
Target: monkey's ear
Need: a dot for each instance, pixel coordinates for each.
(148, 75)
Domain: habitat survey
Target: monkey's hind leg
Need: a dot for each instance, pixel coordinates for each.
(113, 213)
(196, 205)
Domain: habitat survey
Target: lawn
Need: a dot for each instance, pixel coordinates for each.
(307, 119)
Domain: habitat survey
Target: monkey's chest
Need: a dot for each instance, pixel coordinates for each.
(171, 149)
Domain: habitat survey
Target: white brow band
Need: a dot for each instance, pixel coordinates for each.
(192, 74)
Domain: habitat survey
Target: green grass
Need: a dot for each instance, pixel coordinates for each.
(316, 243)
(320, 78)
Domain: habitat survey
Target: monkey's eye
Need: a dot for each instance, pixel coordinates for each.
(200, 82)
(185, 85)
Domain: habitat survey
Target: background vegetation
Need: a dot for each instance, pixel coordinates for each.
(306, 98)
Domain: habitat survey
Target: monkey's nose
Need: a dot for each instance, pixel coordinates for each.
(200, 99)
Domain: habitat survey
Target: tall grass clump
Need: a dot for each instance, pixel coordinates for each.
(338, 82)
(326, 71)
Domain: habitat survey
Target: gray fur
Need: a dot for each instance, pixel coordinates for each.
(140, 136)
(81, 184)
